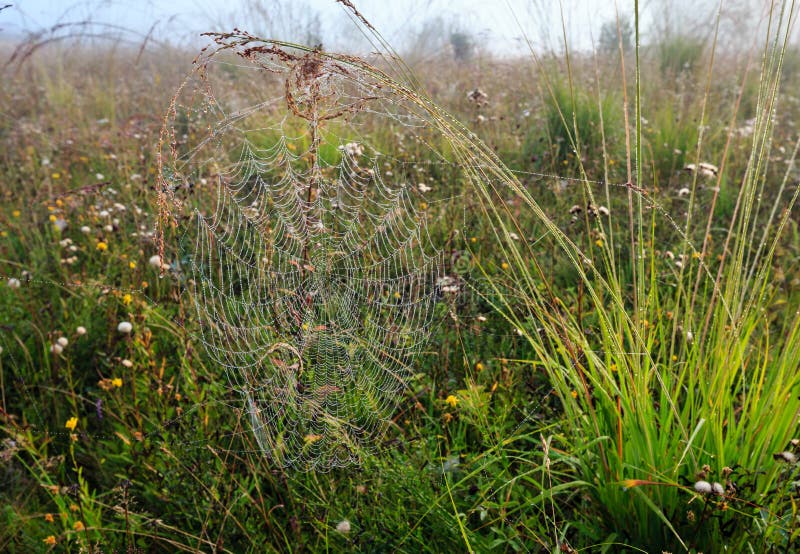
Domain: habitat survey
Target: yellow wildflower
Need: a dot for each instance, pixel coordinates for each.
(479, 366)
(473, 240)
(599, 243)
(451, 400)
(48, 518)
(16, 213)
(132, 265)
(56, 175)
(504, 265)
(117, 382)
(127, 299)
(102, 246)
(53, 218)
(71, 423)
(423, 205)
(50, 540)
(79, 526)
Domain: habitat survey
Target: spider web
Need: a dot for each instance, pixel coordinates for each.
(307, 261)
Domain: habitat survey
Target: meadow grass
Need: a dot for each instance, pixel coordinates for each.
(595, 370)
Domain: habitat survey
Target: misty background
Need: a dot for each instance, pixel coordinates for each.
(415, 28)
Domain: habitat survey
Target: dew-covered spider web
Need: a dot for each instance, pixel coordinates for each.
(308, 262)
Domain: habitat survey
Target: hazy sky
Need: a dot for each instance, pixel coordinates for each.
(494, 21)
(498, 23)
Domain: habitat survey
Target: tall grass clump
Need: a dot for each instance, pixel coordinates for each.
(679, 53)
(668, 364)
(573, 124)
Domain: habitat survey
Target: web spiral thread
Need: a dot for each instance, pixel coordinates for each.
(311, 271)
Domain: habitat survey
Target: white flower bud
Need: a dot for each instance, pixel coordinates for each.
(343, 526)
(703, 487)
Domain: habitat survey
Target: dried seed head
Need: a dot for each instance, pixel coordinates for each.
(707, 169)
(785, 456)
(478, 97)
(703, 169)
(353, 149)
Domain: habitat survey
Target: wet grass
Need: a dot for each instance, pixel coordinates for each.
(593, 370)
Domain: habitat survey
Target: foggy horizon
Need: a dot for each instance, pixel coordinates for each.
(509, 28)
